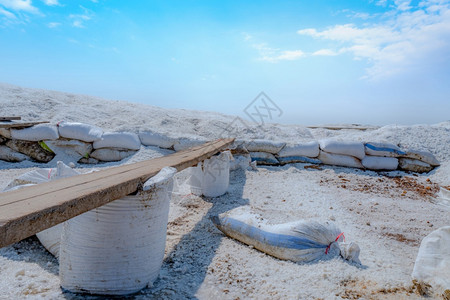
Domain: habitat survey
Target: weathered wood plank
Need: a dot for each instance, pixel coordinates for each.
(10, 118)
(355, 127)
(21, 124)
(32, 209)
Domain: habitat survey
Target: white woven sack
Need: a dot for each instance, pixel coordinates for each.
(432, 267)
(300, 241)
(106, 154)
(80, 131)
(380, 163)
(340, 160)
(264, 158)
(118, 248)
(424, 156)
(156, 139)
(383, 149)
(36, 133)
(350, 148)
(414, 165)
(11, 155)
(211, 177)
(264, 146)
(125, 140)
(310, 149)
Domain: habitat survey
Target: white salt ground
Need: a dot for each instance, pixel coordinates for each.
(387, 219)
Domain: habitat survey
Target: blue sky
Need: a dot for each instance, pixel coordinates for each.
(366, 61)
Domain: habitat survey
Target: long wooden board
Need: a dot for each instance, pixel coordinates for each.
(10, 118)
(32, 209)
(20, 125)
(356, 127)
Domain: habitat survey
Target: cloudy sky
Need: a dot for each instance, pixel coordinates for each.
(362, 61)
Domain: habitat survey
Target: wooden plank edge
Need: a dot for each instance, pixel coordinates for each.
(21, 125)
(10, 118)
(12, 231)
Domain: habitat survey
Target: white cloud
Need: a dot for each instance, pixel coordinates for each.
(246, 36)
(275, 55)
(79, 19)
(290, 55)
(53, 24)
(7, 14)
(407, 37)
(51, 2)
(325, 52)
(19, 5)
(78, 24)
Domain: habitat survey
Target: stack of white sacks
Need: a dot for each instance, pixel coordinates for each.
(372, 155)
(90, 144)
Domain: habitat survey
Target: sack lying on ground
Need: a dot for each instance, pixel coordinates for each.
(340, 160)
(424, 156)
(36, 133)
(310, 149)
(11, 155)
(51, 237)
(264, 146)
(298, 159)
(156, 139)
(380, 163)
(383, 149)
(107, 154)
(124, 140)
(211, 177)
(414, 165)
(118, 248)
(301, 241)
(431, 273)
(264, 158)
(355, 149)
(80, 131)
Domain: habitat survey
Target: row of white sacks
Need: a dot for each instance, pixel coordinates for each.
(90, 143)
(372, 155)
(93, 144)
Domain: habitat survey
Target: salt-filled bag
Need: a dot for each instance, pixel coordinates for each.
(211, 177)
(118, 248)
(431, 273)
(300, 241)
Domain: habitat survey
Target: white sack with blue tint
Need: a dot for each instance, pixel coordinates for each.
(300, 241)
(383, 149)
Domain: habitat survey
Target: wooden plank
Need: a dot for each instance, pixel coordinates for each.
(356, 127)
(10, 118)
(21, 125)
(32, 209)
